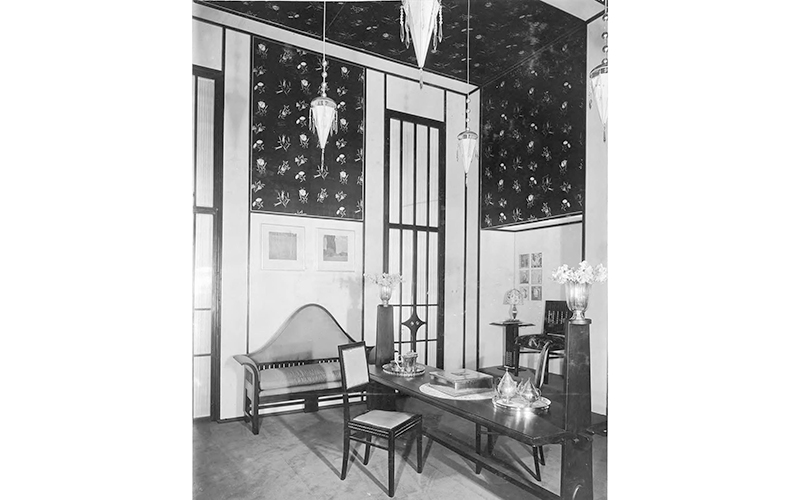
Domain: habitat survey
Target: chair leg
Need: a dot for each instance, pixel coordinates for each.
(366, 450)
(391, 465)
(541, 455)
(546, 368)
(516, 360)
(478, 447)
(419, 448)
(345, 453)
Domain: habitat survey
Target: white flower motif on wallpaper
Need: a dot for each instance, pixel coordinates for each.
(533, 126)
(287, 163)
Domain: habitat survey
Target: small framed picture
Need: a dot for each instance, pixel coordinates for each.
(524, 261)
(524, 292)
(536, 293)
(282, 247)
(524, 277)
(336, 250)
(536, 276)
(536, 259)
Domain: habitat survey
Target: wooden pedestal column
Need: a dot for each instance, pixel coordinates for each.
(576, 455)
(384, 336)
(380, 397)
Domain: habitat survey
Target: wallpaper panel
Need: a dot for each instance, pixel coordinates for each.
(287, 172)
(533, 129)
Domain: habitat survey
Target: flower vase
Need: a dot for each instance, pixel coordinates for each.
(578, 300)
(386, 294)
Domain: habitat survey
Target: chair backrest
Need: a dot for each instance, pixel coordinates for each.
(355, 374)
(555, 314)
(353, 362)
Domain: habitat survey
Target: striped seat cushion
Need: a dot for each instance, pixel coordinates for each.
(303, 377)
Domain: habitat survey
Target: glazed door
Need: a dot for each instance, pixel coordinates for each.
(414, 234)
(207, 122)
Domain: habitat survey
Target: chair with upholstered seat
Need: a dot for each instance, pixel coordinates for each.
(387, 425)
(556, 314)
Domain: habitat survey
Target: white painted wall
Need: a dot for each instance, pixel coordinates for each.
(373, 196)
(235, 217)
(558, 245)
(597, 226)
(275, 294)
(206, 45)
(497, 277)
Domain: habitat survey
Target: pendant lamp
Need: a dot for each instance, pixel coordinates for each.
(418, 24)
(598, 79)
(323, 114)
(467, 140)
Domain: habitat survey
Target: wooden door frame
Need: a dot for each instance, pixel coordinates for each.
(440, 126)
(216, 211)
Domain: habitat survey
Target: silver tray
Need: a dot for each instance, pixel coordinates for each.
(418, 370)
(520, 405)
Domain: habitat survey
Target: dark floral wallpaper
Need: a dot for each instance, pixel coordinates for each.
(533, 128)
(287, 175)
(503, 33)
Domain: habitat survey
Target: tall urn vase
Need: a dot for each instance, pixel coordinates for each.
(578, 300)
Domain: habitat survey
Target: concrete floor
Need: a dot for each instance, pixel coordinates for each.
(299, 456)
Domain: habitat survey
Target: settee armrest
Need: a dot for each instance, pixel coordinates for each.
(249, 364)
(246, 361)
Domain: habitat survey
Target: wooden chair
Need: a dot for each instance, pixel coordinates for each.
(374, 423)
(556, 314)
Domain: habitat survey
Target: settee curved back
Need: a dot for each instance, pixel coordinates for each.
(311, 332)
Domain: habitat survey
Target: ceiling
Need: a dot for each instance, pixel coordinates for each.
(503, 33)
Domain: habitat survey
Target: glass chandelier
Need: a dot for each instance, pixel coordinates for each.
(467, 140)
(598, 79)
(323, 114)
(418, 25)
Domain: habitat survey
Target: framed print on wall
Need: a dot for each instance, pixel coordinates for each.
(536, 259)
(336, 250)
(282, 247)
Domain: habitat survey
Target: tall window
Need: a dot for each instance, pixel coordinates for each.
(206, 89)
(414, 235)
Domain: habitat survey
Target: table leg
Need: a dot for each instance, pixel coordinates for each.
(478, 447)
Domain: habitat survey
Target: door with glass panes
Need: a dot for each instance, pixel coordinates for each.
(207, 122)
(414, 232)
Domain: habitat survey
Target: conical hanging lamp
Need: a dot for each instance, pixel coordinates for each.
(598, 79)
(467, 140)
(323, 114)
(418, 24)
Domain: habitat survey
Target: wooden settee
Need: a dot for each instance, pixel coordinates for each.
(300, 362)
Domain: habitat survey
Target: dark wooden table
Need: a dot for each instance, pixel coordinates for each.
(532, 429)
(569, 421)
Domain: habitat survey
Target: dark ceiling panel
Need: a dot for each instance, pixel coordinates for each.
(504, 33)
